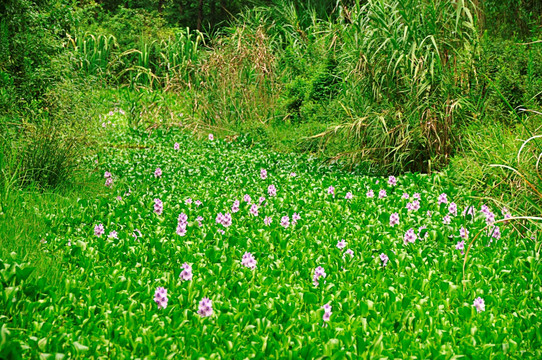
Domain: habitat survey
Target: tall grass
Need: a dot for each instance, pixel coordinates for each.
(237, 82)
(408, 67)
(94, 52)
(388, 81)
(153, 63)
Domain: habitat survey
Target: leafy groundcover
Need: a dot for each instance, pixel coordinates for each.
(215, 249)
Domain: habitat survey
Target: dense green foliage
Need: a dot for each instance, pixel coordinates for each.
(344, 93)
(420, 304)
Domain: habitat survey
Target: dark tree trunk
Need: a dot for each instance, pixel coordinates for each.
(212, 11)
(200, 14)
(160, 6)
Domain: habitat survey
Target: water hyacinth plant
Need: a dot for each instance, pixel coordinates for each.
(227, 270)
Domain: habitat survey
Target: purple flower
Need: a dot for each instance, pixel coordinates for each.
(249, 261)
(479, 304)
(285, 221)
(460, 246)
(382, 194)
(409, 237)
(107, 175)
(394, 219)
(205, 307)
(384, 258)
(176, 146)
(392, 181)
(413, 206)
(235, 207)
(331, 190)
(272, 190)
(370, 193)
(405, 196)
(263, 174)
(108, 182)
(267, 221)
(442, 199)
(327, 312)
(463, 232)
(446, 220)
(495, 232)
(349, 196)
(295, 218)
(261, 199)
(485, 209)
(225, 220)
(158, 172)
(211, 137)
(186, 274)
(182, 219)
(119, 198)
(113, 235)
(197, 202)
(160, 297)
(247, 198)
(293, 174)
(98, 230)
(416, 196)
(181, 229)
(452, 209)
(158, 206)
(348, 252)
(490, 218)
(341, 244)
(188, 201)
(319, 272)
(254, 209)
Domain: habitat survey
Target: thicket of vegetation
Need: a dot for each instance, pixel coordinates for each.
(382, 86)
(374, 87)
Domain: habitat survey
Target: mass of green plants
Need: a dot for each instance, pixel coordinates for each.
(402, 262)
(270, 179)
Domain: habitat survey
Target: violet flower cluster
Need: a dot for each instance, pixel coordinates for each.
(182, 223)
(327, 312)
(205, 307)
(160, 297)
(158, 207)
(249, 261)
(319, 272)
(186, 274)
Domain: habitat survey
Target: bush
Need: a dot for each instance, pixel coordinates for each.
(30, 39)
